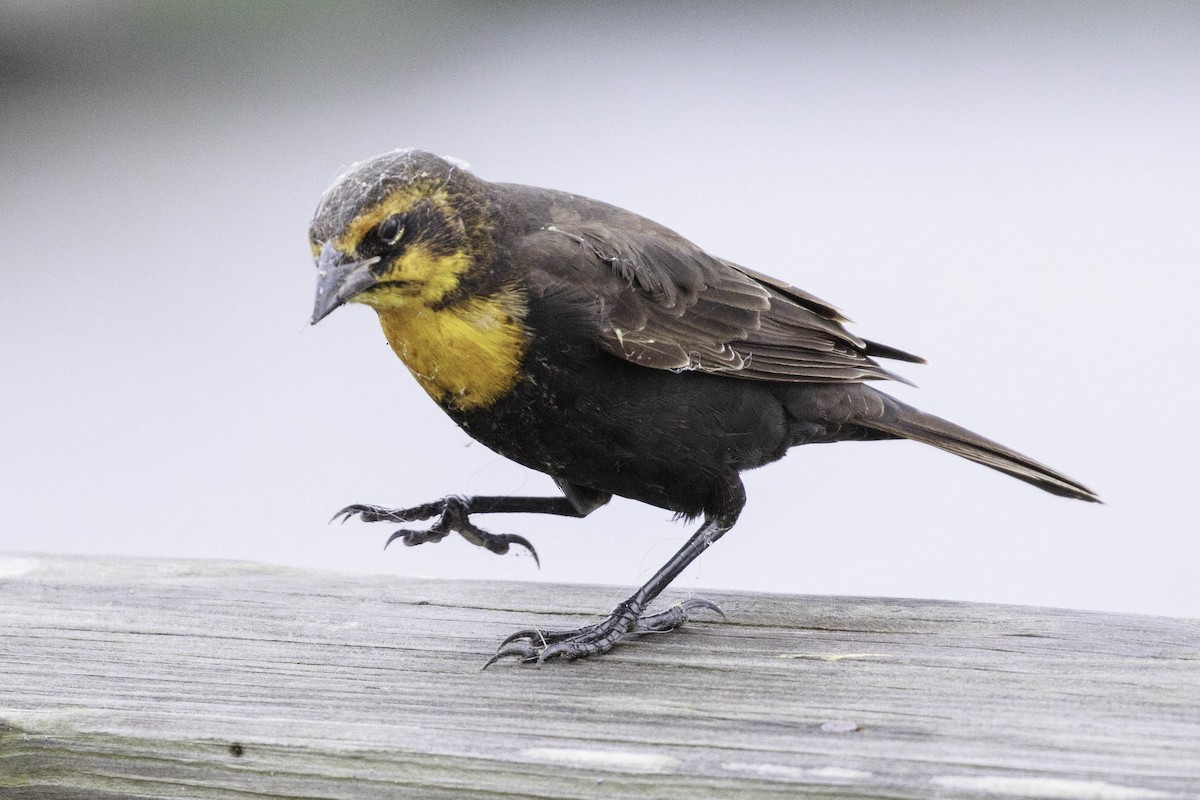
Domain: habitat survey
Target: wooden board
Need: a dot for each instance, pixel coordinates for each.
(140, 678)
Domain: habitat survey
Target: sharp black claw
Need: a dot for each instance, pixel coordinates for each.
(694, 603)
(366, 512)
(512, 538)
(530, 634)
(345, 514)
(523, 653)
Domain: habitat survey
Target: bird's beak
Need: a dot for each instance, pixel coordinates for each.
(339, 279)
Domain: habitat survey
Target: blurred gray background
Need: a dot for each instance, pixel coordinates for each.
(1008, 190)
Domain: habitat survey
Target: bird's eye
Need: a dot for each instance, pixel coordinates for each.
(390, 230)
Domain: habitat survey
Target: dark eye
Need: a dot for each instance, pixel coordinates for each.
(390, 230)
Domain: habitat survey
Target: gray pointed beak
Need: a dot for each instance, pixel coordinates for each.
(339, 280)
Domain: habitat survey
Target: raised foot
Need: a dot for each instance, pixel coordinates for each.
(534, 646)
(453, 517)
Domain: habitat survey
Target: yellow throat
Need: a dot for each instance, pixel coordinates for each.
(467, 355)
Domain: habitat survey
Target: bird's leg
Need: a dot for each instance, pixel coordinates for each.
(453, 515)
(532, 645)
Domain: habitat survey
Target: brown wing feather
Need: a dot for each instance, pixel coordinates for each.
(665, 303)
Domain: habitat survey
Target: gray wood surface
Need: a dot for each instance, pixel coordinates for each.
(138, 678)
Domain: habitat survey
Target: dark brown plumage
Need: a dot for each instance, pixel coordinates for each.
(607, 351)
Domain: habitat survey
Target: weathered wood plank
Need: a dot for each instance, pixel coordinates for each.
(227, 680)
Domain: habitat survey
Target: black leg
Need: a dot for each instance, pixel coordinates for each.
(627, 618)
(469, 505)
(454, 512)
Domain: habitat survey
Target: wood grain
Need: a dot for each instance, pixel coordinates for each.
(141, 678)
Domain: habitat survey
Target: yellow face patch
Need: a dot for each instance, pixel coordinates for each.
(465, 356)
(417, 271)
(431, 277)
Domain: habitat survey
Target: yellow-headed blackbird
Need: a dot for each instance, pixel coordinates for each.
(610, 353)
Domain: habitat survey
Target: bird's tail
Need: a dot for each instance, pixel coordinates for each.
(906, 422)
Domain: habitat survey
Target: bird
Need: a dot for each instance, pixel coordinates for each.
(607, 351)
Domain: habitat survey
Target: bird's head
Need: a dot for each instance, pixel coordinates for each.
(397, 230)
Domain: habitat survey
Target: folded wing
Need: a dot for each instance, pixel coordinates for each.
(665, 303)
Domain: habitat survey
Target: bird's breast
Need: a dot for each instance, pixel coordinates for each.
(467, 355)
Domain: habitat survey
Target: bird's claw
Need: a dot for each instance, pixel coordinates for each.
(531, 645)
(369, 513)
(452, 516)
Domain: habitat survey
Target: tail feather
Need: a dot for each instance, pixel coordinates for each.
(907, 422)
